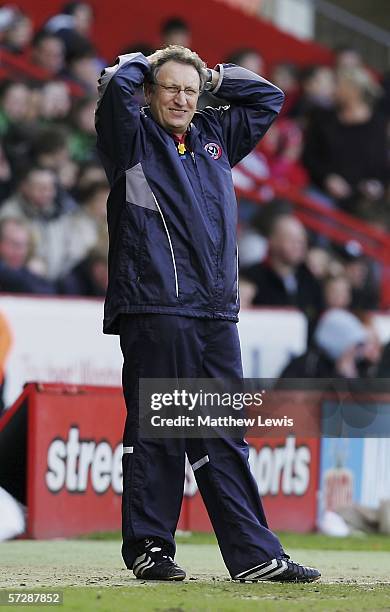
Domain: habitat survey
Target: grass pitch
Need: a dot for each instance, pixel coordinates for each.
(356, 576)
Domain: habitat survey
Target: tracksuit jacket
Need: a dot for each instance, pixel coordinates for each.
(172, 218)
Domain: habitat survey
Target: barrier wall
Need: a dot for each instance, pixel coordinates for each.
(60, 455)
(72, 478)
(60, 445)
(61, 340)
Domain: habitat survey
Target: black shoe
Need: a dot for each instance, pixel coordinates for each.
(154, 563)
(279, 570)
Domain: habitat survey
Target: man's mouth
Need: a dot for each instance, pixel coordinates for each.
(177, 110)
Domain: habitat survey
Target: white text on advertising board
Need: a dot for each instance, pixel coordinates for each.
(72, 463)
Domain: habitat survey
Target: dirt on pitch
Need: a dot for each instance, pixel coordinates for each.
(92, 578)
(92, 563)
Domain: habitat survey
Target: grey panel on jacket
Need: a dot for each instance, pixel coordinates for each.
(138, 191)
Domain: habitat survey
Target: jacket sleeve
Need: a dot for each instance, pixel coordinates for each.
(254, 103)
(117, 116)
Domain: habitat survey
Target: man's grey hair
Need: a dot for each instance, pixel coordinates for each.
(176, 53)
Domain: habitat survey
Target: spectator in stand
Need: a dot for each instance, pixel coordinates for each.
(89, 277)
(282, 147)
(346, 150)
(55, 102)
(318, 260)
(17, 30)
(337, 292)
(67, 179)
(325, 264)
(283, 278)
(248, 58)
(175, 31)
(48, 53)
(362, 275)
(16, 250)
(88, 223)
(318, 85)
(253, 231)
(347, 57)
(14, 104)
(278, 155)
(76, 16)
(50, 150)
(276, 158)
(285, 76)
(89, 173)
(83, 135)
(342, 347)
(50, 147)
(36, 202)
(17, 144)
(73, 26)
(83, 67)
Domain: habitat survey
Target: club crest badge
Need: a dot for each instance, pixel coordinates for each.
(213, 149)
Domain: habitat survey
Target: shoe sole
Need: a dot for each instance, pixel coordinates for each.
(296, 580)
(170, 579)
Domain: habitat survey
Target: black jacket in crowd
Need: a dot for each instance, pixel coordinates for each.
(272, 292)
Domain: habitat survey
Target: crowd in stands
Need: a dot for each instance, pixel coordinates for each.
(330, 143)
(53, 190)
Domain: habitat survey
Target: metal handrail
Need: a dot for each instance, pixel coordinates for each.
(353, 22)
(335, 224)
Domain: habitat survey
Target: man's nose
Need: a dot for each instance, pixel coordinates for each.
(181, 97)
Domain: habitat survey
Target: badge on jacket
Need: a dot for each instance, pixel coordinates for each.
(213, 149)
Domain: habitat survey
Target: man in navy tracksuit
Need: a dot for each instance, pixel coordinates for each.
(173, 293)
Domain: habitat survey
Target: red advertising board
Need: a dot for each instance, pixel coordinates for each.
(286, 472)
(60, 454)
(70, 441)
(74, 460)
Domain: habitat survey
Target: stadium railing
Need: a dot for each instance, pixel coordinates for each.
(336, 225)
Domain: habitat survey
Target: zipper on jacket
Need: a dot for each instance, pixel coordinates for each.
(170, 245)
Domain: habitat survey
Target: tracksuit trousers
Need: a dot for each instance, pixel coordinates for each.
(168, 346)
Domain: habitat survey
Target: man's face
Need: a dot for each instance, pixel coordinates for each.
(253, 62)
(50, 54)
(14, 245)
(39, 189)
(174, 111)
(287, 243)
